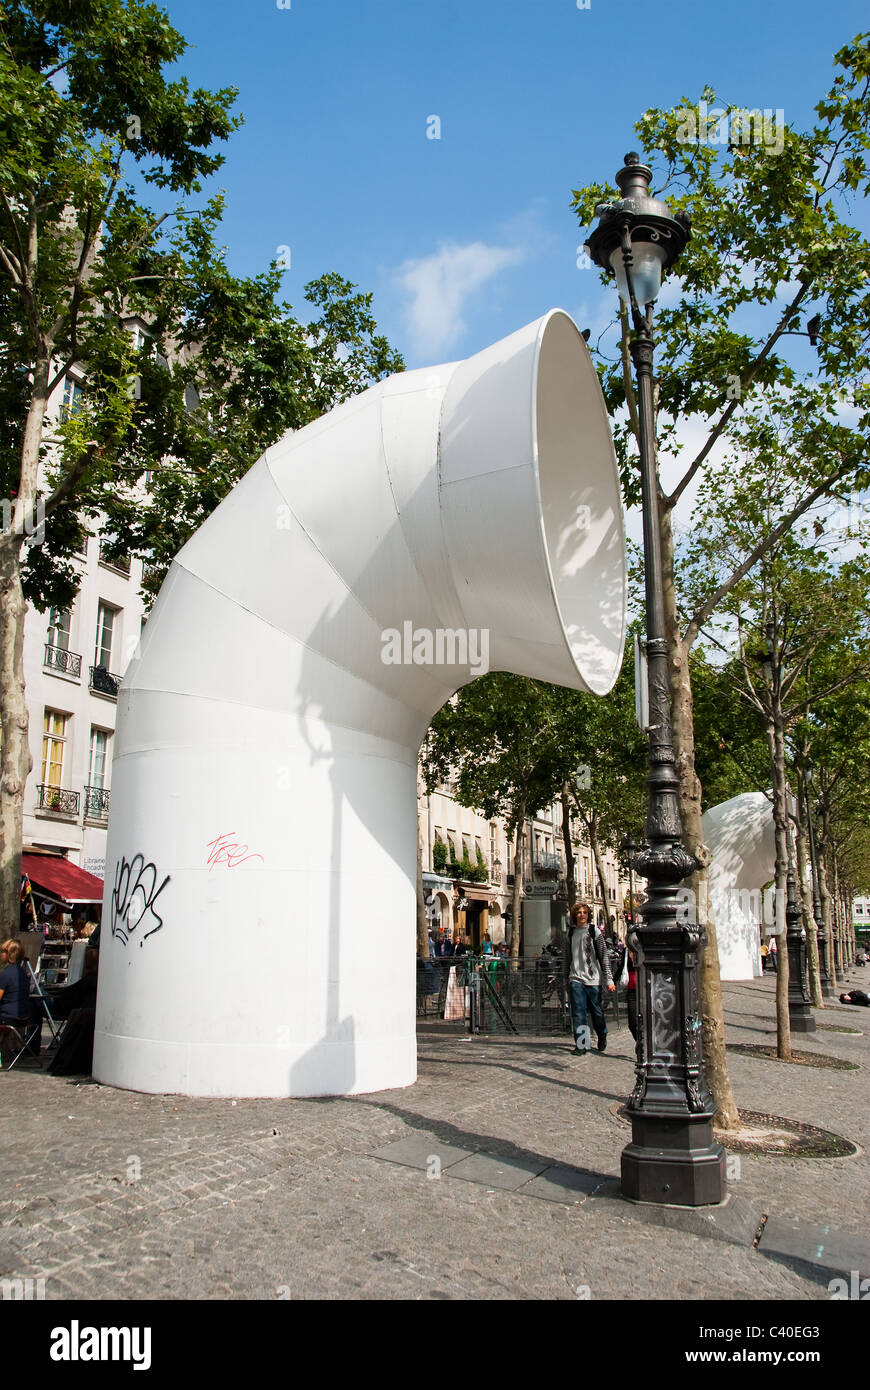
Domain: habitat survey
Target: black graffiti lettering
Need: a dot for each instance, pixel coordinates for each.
(133, 897)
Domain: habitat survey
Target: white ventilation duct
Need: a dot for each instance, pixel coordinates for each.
(740, 835)
(259, 921)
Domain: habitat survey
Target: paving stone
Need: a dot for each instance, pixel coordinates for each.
(562, 1185)
(311, 1209)
(417, 1150)
(816, 1245)
(735, 1220)
(490, 1171)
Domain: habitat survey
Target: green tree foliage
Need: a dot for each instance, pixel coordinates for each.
(774, 258)
(95, 135)
(87, 120)
(496, 737)
(731, 749)
(773, 249)
(600, 736)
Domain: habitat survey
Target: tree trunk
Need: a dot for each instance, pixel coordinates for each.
(806, 902)
(599, 866)
(846, 906)
(840, 931)
(780, 824)
(845, 910)
(519, 870)
(712, 1013)
(570, 876)
(825, 895)
(845, 918)
(15, 759)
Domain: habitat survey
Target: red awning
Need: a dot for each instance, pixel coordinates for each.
(63, 879)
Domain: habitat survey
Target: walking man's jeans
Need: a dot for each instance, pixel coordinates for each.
(583, 997)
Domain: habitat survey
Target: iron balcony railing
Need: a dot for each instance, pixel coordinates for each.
(96, 803)
(58, 799)
(548, 864)
(121, 563)
(104, 682)
(56, 659)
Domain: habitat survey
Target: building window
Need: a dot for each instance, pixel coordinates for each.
(121, 563)
(59, 621)
(58, 656)
(53, 745)
(105, 628)
(72, 398)
(96, 795)
(98, 761)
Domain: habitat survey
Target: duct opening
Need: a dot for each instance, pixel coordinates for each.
(580, 503)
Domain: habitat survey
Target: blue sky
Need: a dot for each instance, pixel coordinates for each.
(464, 238)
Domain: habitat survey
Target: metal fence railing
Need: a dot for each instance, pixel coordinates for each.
(491, 995)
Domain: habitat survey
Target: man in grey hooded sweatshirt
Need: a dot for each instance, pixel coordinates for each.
(587, 973)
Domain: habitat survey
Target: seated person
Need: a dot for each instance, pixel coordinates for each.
(15, 1007)
(78, 1003)
(856, 996)
(14, 982)
(82, 995)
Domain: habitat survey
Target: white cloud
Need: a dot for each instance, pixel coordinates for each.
(440, 286)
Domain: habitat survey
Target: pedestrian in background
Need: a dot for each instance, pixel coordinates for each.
(587, 973)
(631, 992)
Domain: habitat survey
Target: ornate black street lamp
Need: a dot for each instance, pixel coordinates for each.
(673, 1156)
(824, 977)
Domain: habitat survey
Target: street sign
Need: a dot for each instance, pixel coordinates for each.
(641, 684)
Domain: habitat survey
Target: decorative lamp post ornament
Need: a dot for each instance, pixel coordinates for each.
(673, 1157)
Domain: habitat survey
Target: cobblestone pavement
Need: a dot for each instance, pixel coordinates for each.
(110, 1194)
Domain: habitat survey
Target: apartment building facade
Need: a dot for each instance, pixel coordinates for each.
(468, 873)
(74, 661)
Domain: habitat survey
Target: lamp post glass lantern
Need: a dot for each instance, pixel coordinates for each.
(673, 1157)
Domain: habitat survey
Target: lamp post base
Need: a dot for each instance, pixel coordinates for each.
(673, 1161)
(800, 1020)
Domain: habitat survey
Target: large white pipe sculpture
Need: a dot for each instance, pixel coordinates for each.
(740, 835)
(258, 927)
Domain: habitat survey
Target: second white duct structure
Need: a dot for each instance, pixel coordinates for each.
(740, 835)
(259, 920)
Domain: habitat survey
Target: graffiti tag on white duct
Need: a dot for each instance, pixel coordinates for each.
(224, 850)
(134, 895)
